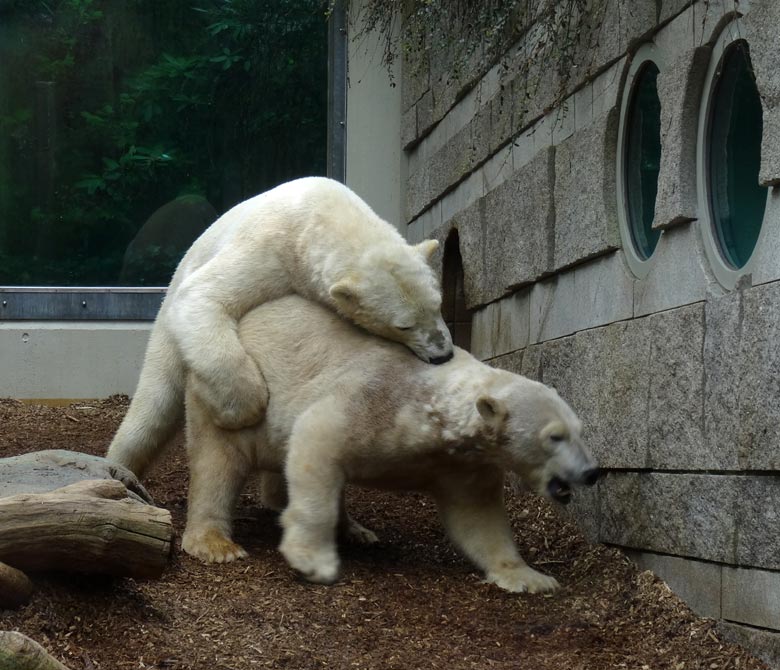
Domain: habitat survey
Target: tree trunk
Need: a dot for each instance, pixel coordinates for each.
(90, 526)
(15, 587)
(19, 652)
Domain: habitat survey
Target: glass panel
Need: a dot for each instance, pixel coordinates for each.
(128, 126)
(736, 124)
(643, 160)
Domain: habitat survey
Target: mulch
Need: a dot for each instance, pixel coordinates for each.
(409, 602)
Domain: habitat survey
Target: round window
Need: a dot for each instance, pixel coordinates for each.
(643, 160)
(639, 159)
(736, 199)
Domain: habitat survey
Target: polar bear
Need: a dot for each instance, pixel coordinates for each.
(349, 407)
(311, 236)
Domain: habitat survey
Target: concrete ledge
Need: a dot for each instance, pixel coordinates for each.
(764, 644)
(752, 597)
(696, 582)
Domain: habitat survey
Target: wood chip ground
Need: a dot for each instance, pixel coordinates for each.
(410, 602)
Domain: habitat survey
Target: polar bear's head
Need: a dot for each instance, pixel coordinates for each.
(394, 293)
(540, 437)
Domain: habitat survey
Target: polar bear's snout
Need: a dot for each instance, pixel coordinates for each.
(432, 344)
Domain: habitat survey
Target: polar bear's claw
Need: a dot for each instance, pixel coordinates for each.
(211, 546)
(523, 580)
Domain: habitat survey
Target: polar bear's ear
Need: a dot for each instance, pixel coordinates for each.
(491, 409)
(427, 248)
(345, 295)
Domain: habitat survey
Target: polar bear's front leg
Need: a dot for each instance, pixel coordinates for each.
(314, 485)
(472, 510)
(224, 376)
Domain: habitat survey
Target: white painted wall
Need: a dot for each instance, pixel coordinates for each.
(376, 164)
(47, 360)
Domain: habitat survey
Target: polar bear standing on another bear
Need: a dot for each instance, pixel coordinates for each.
(311, 236)
(348, 407)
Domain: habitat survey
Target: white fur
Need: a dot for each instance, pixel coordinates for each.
(346, 406)
(311, 236)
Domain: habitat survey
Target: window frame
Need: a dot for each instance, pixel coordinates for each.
(136, 303)
(726, 275)
(647, 53)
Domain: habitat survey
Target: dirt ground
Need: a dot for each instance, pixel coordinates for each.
(409, 602)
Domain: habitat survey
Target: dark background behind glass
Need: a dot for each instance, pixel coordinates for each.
(127, 126)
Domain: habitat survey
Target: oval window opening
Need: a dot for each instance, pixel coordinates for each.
(737, 200)
(643, 160)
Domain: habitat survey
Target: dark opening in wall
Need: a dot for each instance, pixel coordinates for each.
(456, 316)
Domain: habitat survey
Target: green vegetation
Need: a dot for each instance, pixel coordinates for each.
(109, 109)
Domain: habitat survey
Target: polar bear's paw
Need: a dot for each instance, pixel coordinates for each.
(211, 546)
(238, 401)
(522, 580)
(357, 533)
(318, 565)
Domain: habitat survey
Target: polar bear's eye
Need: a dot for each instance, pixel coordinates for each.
(404, 327)
(557, 437)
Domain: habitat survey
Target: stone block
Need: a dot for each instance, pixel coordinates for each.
(510, 362)
(553, 308)
(751, 597)
(497, 169)
(417, 192)
(679, 90)
(576, 299)
(763, 643)
(763, 263)
(760, 26)
(584, 509)
(532, 362)
(675, 420)
(606, 34)
(519, 221)
(609, 390)
(686, 515)
(415, 79)
(409, 127)
(756, 380)
(424, 109)
(470, 224)
(501, 116)
(602, 374)
(722, 518)
(463, 195)
(501, 327)
(758, 522)
(697, 583)
(585, 204)
(671, 8)
(449, 165)
(677, 274)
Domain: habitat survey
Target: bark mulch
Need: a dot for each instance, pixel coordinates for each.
(409, 602)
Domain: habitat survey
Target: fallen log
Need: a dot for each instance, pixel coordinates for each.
(19, 652)
(15, 588)
(91, 526)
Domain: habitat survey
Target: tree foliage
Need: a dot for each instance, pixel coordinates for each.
(111, 109)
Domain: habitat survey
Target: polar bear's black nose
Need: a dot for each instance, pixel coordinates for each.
(442, 359)
(590, 477)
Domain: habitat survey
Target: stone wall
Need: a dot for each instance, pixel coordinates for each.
(675, 374)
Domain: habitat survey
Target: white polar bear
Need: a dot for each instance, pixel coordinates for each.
(348, 407)
(311, 236)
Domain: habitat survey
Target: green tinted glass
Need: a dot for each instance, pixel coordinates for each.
(643, 160)
(127, 127)
(736, 199)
